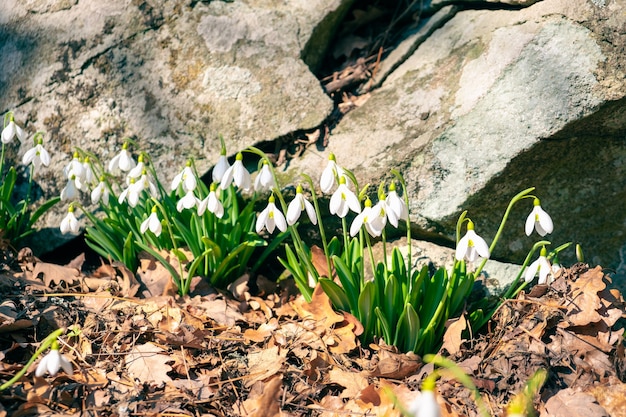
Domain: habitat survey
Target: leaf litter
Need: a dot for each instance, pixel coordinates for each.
(270, 353)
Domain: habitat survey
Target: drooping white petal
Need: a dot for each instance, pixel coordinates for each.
(136, 171)
(8, 132)
(471, 246)
(153, 223)
(29, 156)
(215, 206)
(310, 211)
(44, 156)
(264, 180)
(12, 130)
(220, 168)
(69, 223)
(358, 221)
(262, 219)
(126, 161)
(188, 201)
(540, 220)
(327, 180)
(425, 405)
(531, 271)
(241, 176)
(70, 191)
(397, 205)
(294, 209)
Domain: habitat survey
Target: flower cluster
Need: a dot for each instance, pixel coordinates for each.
(16, 218)
(390, 208)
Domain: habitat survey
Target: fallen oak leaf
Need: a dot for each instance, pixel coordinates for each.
(452, 339)
(320, 308)
(263, 400)
(55, 274)
(147, 363)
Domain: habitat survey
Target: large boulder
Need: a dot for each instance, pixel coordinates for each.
(491, 102)
(172, 75)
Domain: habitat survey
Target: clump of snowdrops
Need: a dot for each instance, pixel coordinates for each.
(402, 305)
(17, 216)
(208, 229)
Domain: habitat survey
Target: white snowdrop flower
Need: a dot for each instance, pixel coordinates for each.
(471, 246)
(100, 193)
(270, 218)
(131, 193)
(211, 203)
(539, 220)
(70, 191)
(377, 219)
(37, 155)
(187, 178)
(74, 168)
(188, 201)
(425, 405)
(361, 218)
(123, 161)
(541, 266)
(152, 222)
(137, 171)
(238, 174)
(330, 173)
(343, 200)
(69, 224)
(220, 168)
(146, 182)
(297, 205)
(89, 176)
(52, 362)
(12, 130)
(396, 205)
(264, 180)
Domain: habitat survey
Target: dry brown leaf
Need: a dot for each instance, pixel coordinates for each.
(148, 363)
(612, 397)
(353, 382)
(213, 308)
(8, 318)
(344, 337)
(55, 274)
(153, 276)
(264, 399)
(571, 403)
(394, 365)
(319, 309)
(264, 331)
(583, 309)
(265, 363)
(452, 339)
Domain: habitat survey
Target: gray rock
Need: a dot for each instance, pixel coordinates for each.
(173, 75)
(494, 102)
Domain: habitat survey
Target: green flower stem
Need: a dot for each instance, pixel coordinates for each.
(363, 233)
(183, 285)
(405, 196)
(518, 197)
(44, 345)
(319, 222)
